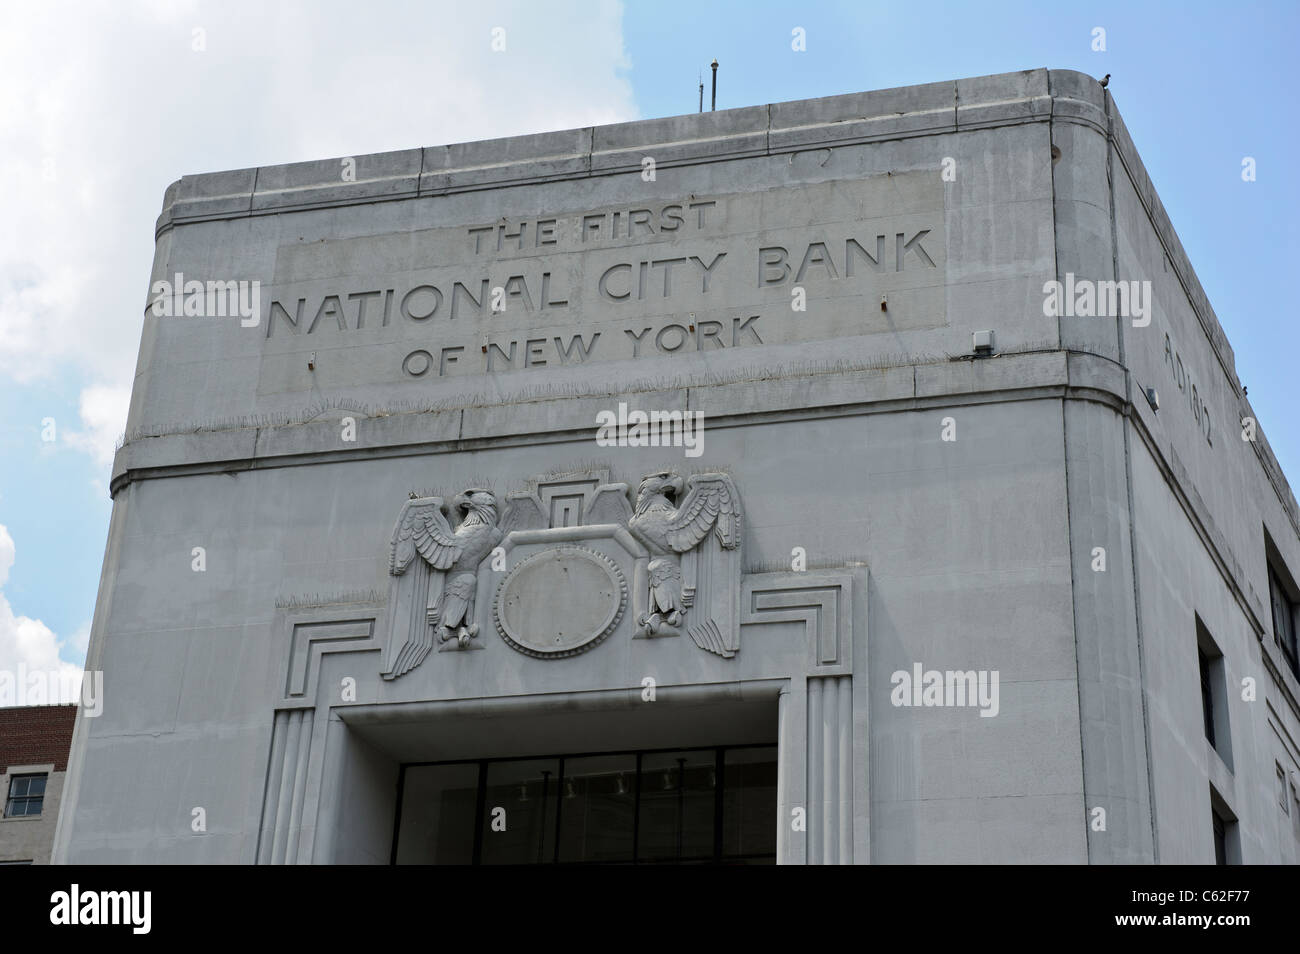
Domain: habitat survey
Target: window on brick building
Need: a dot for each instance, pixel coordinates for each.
(26, 795)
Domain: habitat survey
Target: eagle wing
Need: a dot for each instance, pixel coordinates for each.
(711, 504)
(519, 514)
(412, 653)
(422, 528)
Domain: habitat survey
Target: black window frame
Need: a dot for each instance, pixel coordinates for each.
(1213, 679)
(1207, 695)
(25, 798)
(1282, 608)
(1225, 833)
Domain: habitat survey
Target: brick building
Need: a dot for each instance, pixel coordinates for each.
(34, 746)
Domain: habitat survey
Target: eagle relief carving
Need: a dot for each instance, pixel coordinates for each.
(710, 508)
(423, 530)
(680, 542)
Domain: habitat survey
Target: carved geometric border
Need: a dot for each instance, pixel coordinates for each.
(824, 731)
(319, 630)
(821, 599)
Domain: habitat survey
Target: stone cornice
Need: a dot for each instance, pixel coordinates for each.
(517, 419)
(775, 129)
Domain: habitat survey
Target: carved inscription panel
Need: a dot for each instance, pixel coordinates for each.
(695, 273)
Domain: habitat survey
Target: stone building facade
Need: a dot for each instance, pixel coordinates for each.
(730, 487)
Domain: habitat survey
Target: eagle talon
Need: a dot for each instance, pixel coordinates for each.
(650, 625)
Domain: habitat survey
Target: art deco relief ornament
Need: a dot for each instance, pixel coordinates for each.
(711, 505)
(423, 529)
(679, 544)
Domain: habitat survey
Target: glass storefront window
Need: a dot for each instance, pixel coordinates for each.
(439, 803)
(688, 806)
(678, 792)
(749, 803)
(598, 808)
(519, 810)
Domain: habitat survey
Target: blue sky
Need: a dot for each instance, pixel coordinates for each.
(101, 108)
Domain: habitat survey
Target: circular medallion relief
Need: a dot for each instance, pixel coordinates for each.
(560, 602)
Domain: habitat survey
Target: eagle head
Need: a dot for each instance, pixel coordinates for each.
(478, 501)
(664, 483)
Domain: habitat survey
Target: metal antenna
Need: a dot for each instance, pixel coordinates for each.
(701, 79)
(714, 104)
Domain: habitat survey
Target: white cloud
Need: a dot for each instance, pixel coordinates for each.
(29, 649)
(80, 640)
(103, 415)
(103, 105)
